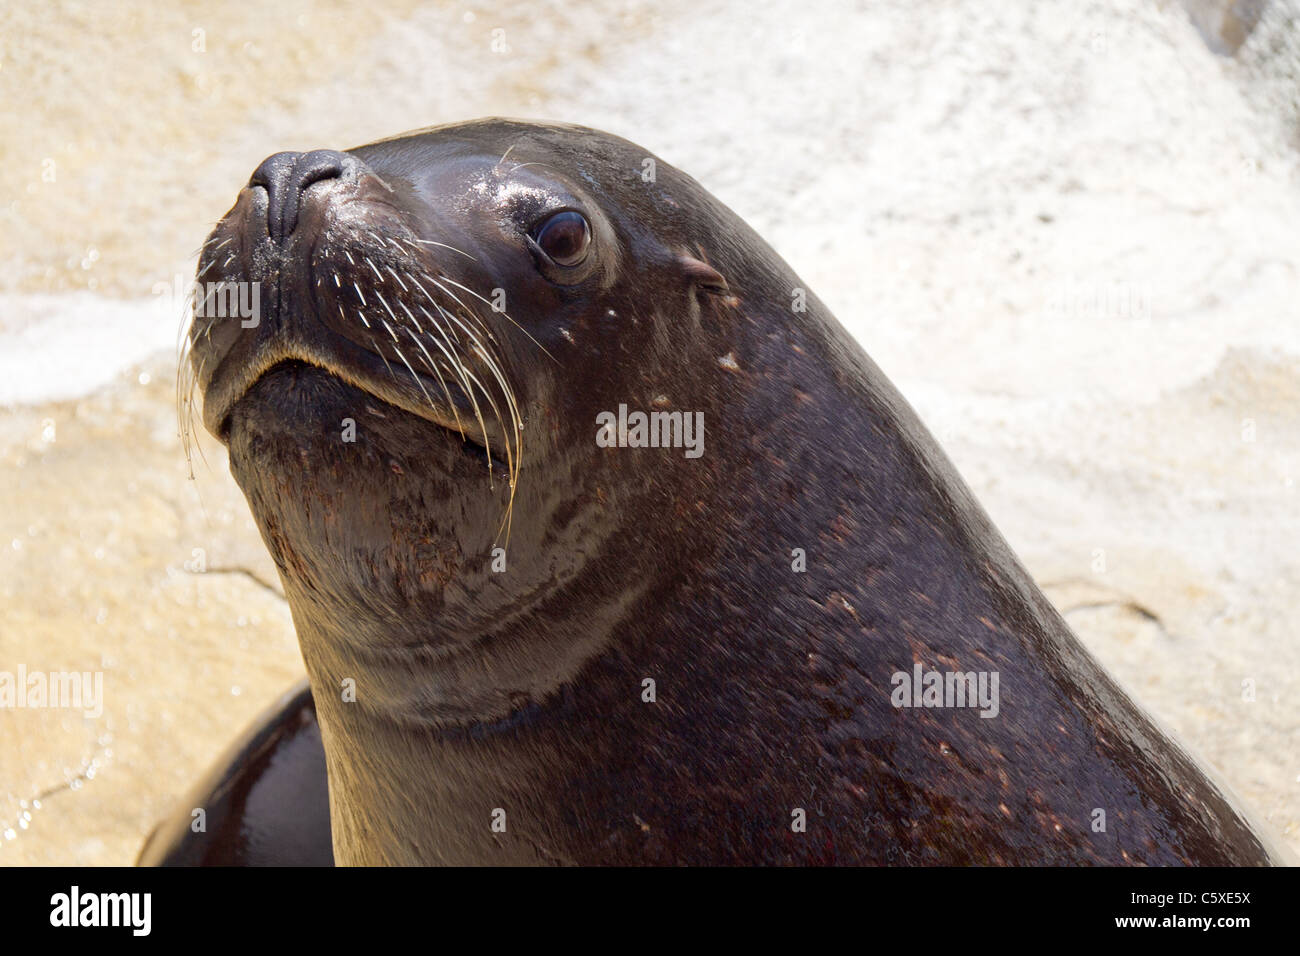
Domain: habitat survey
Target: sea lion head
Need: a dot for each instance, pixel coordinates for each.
(407, 348)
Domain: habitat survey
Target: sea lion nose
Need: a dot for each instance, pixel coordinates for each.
(286, 176)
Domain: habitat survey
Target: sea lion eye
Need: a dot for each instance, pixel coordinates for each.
(564, 238)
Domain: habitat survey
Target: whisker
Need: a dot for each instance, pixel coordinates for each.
(428, 360)
(411, 315)
(481, 351)
(386, 305)
(444, 346)
(511, 468)
(375, 348)
(506, 314)
(430, 242)
(418, 380)
(404, 286)
(468, 311)
(487, 445)
(513, 463)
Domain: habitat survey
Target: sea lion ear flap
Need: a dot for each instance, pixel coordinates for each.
(702, 275)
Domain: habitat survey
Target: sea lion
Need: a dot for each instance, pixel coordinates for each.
(265, 803)
(534, 635)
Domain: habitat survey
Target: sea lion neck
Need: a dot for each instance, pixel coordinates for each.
(427, 679)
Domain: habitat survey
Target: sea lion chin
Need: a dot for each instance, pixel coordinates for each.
(532, 639)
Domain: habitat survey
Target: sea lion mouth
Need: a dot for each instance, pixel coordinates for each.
(400, 362)
(349, 284)
(365, 371)
(341, 278)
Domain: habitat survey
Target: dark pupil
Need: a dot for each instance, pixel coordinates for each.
(564, 238)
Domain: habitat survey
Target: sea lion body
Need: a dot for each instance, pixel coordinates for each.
(264, 803)
(686, 660)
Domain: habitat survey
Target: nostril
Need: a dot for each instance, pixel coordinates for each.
(273, 170)
(286, 176)
(317, 165)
